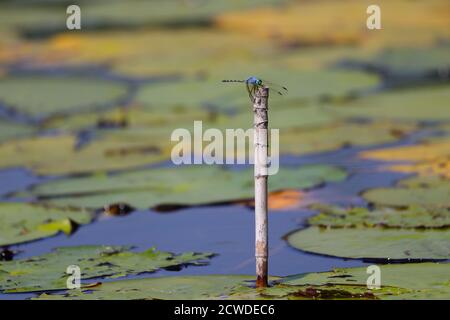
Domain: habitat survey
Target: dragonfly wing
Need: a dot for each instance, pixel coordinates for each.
(281, 90)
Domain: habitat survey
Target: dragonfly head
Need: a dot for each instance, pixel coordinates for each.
(254, 81)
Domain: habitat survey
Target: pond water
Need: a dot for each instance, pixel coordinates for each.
(227, 230)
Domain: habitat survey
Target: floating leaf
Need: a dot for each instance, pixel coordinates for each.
(410, 217)
(410, 61)
(438, 166)
(304, 117)
(131, 55)
(373, 243)
(189, 185)
(116, 14)
(398, 281)
(162, 12)
(52, 155)
(9, 130)
(340, 135)
(423, 182)
(421, 152)
(430, 157)
(133, 117)
(315, 23)
(430, 281)
(436, 197)
(38, 96)
(21, 222)
(425, 104)
(48, 272)
(176, 288)
(432, 192)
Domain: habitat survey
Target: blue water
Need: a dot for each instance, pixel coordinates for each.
(226, 230)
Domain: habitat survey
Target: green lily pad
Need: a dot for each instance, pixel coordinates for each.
(414, 60)
(292, 117)
(48, 272)
(133, 117)
(12, 18)
(410, 217)
(339, 135)
(398, 281)
(409, 105)
(373, 243)
(114, 14)
(174, 288)
(423, 182)
(39, 96)
(55, 155)
(188, 185)
(436, 196)
(404, 281)
(164, 12)
(21, 222)
(9, 130)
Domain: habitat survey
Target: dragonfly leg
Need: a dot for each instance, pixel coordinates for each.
(250, 91)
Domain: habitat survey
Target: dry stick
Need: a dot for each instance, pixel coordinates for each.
(260, 108)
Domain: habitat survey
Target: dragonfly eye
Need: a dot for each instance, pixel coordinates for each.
(259, 82)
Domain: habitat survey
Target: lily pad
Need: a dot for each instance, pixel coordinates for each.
(432, 157)
(40, 96)
(114, 14)
(173, 288)
(398, 281)
(339, 135)
(436, 197)
(48, 272)
(430, 281)
(425, 181)
(9, 130)
(439, 166)
(409, 61)
(425, 104)
(410, 217)
(53, 155)
(130, 55)
(373, 243)
(415, 153)
(189, 185)
(132, 117)
(21, 222)
(292, 117)
(430, 191)
(162, 12)
(314, 23)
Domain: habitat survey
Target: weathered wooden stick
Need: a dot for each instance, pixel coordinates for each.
(260, 109)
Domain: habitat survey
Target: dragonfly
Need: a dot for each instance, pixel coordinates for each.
(253, 83)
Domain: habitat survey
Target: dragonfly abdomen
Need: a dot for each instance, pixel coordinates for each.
(241, 81)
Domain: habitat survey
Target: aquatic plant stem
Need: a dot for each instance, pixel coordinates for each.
(260, 109)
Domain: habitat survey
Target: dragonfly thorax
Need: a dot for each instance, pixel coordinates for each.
(254, 81)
